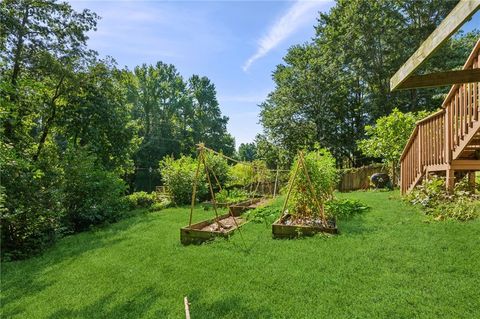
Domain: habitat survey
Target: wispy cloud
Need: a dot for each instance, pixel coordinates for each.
(299, 14)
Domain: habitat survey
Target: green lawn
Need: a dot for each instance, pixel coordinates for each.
(391, 263)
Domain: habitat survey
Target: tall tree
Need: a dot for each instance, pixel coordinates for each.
(34, 34)
(329, 89)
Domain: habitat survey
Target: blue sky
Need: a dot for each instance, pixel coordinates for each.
(237, 44)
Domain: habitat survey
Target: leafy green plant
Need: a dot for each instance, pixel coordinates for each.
(265, 214)
(31, 212)
(241, 174)
(435, 201)
(92, 195)
(231, 196)
(140, 200)
(387, 138)
(344, 208)
(160, 204)
(179, 176)
(323, 176)
(462, 209)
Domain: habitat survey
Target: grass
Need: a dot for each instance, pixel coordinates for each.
(390, 263)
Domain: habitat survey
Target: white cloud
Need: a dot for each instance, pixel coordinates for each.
(299, 14)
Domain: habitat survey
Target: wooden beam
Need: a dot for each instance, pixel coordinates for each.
(455, 19)
(466, 165)
(441, 79)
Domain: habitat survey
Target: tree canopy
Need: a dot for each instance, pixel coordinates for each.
(330, 88)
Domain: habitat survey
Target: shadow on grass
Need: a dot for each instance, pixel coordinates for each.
(226, 307)
(135, 307)
(355, 226)
(21, 279)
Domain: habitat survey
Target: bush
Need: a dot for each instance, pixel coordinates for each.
(241, 174)
(220, 167)
(140, 200)
(344, 208)
(92, 195)
(161, 204)
(179, 176)
(231, 196)
(31, 200)
(323, 175)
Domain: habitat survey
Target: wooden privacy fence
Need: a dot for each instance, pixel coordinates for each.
(358, 178)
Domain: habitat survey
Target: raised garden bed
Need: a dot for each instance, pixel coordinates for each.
(239, 208)
(209, 229)
(285, 227)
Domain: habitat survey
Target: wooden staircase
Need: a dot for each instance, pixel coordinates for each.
(448, 140)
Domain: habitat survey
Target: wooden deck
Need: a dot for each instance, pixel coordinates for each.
(448, 141)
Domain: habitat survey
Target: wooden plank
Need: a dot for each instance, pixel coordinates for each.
(441, 79)
(455, 19)
(466, 165)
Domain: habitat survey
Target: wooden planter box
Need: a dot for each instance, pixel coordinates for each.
(280, 230)
(239, 208)
(196, 235)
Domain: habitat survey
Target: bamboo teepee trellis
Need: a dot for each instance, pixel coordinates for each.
(313, 194)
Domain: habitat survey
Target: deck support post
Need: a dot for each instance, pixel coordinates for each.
(450, 180)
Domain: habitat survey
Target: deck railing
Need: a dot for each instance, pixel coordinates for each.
(441, 137)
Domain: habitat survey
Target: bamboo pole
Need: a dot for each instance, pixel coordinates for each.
(290, 186)
(312, 189)
(214, 201)
(195, 181)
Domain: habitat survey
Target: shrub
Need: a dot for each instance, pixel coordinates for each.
(92, 195)
(241, 174)
(220, 167)
(179, 176)
(161, 204)
(344, 208)
(31, 212)
(231, 196)
(140, 200)
(323, 176)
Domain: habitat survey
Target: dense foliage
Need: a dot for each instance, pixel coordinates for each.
(140, 200)
(230, 196)
(463, 204)
(179, 176)
(247, 152)
(73, 127)
(329, 89)
(91, 195)
(320, 174)
(388, 137)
